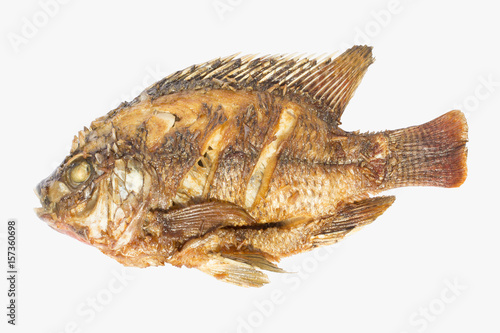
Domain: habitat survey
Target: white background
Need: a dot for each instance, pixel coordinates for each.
(87, 56)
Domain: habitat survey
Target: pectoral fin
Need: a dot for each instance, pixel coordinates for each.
(199, 219)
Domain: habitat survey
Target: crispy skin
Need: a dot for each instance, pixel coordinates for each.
(231, 165)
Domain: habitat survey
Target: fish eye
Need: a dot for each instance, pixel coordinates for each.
(79, 172)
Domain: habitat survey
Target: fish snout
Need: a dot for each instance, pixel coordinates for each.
(50, 192)
(38, 191)
(45, 212)
(41, 191)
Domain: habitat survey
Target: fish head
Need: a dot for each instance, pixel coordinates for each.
(96, 195)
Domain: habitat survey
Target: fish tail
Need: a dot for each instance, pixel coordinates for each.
(432, 154)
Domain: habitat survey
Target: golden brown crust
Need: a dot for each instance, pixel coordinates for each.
(231, 165)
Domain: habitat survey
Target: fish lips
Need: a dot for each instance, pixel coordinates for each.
(46, 213)
(64, 228)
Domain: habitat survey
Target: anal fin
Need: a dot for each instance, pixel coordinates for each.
(350, 217)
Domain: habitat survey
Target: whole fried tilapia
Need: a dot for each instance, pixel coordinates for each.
(230, 165)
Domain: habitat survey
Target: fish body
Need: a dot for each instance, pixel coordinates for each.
(230, 165)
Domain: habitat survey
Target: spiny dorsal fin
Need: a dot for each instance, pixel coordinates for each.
(326, 82)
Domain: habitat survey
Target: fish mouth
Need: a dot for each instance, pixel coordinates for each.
(64, 228)
(45, 216)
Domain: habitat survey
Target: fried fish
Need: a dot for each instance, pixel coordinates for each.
(233, 164)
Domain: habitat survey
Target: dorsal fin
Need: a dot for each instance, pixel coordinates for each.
(326, 82)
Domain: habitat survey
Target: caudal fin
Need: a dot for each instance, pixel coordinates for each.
(432, 154)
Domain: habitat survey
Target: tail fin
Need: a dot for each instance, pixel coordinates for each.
(432, 154)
